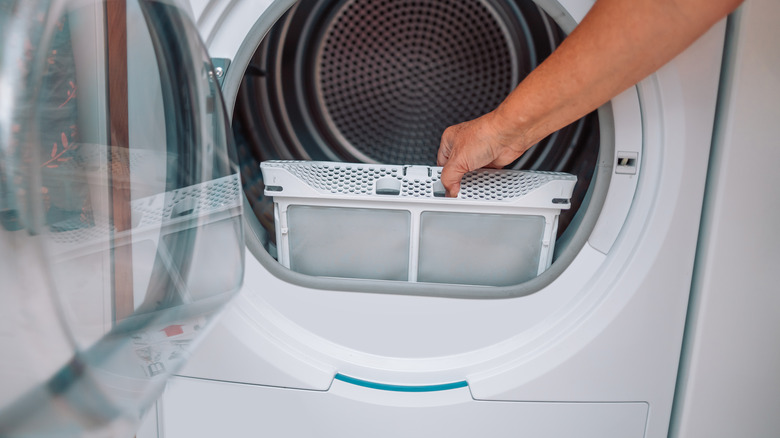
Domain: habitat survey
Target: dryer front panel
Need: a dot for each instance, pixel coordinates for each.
(585, 330)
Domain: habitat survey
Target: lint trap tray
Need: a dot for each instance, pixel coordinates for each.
(392, 222)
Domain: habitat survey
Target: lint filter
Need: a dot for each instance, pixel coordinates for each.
(393, 222)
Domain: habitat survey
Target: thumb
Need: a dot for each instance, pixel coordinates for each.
(451, 175)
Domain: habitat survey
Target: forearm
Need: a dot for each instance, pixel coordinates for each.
(617, 44)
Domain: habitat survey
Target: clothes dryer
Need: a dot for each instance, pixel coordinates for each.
(589, 348)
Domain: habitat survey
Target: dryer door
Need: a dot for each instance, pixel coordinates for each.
(120, 210)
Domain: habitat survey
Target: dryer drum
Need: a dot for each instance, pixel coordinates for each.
(379, 81)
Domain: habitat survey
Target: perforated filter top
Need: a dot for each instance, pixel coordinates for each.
(339, 180)
(387, 222)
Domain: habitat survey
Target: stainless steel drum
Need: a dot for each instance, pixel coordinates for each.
(379, 81)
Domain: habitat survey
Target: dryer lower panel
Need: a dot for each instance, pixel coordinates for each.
(347, 410)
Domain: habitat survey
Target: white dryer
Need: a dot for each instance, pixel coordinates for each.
(589, 348)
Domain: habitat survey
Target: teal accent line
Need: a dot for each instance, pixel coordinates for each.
(401, 388)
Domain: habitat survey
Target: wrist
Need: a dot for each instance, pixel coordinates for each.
(513, 128)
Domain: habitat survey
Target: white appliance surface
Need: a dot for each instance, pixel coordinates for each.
(595, 353)
(349, 410)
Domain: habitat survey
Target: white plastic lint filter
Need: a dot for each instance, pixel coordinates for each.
(393, 222)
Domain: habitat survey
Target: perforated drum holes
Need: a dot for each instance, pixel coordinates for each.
(392, 75)
(378, 82)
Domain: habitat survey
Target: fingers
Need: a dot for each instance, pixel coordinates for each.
(445, 147)
(453, 168)
(471, 145)
(452, 172)
(464, 156)
(460, 151)
(451, 175)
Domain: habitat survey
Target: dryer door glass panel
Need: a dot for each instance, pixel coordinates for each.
(120, 210)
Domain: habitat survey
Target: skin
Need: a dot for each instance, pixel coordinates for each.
(617, 44)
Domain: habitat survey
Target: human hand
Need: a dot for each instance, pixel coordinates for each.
(487, 141)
